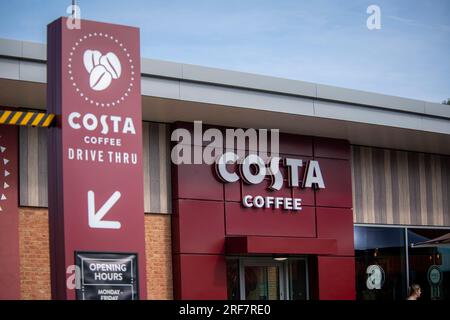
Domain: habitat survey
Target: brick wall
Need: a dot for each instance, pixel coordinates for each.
(158, 248)
(35, 256)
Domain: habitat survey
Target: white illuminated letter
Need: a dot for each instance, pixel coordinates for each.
(105, 127)
(128, 126)
(221, 167)
(247, 201)
(72, 117)
(115, 120)
(269, 202)
(293, 165)
(71, 154)
(313, 175)
(275, 174)
(247, 174)
(278, 202)
(288, 203)
(297, 204)
(258, 202)
(90, 126)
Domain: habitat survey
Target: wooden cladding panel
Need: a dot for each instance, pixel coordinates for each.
(33, 167)
(157, 177)
(400, 187)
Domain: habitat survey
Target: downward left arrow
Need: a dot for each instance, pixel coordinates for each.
(95, 219)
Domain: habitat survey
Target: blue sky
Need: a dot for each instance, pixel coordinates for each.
(323, 41)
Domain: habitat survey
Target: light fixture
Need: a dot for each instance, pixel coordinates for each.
(280, 258)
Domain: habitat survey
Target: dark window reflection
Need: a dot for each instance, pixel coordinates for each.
(380, 263)
(297, 280)
(422, 258)
(262, 282)
(268, 278)
(233, 279)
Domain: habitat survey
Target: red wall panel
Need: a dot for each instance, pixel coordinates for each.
(336, 278)
(9, 214)
(338, 184)
(233, 191)
(261, 189)
(203, 277)
(201, 227)
(279, 245)
(336, 223)
(269, 222)
(331, 148)
(197, 181)
(295, 145)
(307, 195)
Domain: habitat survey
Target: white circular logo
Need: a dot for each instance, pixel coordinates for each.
(434, 275)
(101, 69)
(375, 277)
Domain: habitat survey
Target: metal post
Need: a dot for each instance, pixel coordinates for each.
(407, 260)
(73, 7)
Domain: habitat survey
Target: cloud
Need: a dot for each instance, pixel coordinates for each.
(416, 24)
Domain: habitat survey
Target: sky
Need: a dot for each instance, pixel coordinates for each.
(321, 41)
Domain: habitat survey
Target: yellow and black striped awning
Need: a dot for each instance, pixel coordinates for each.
(23, 118)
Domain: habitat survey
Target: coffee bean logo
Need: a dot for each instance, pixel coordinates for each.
(100, 78)
(91, 58)
(112, 64)
(102, 69)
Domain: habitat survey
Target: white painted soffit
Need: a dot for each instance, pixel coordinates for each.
(26, 94)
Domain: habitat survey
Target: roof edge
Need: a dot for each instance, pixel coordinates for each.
(26, 50)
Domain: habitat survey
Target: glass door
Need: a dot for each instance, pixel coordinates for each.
(262, 280)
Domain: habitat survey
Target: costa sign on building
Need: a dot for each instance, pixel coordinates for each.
(312, 178)
(250, 216)
(95, 152)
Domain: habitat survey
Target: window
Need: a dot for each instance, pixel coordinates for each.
(233, 286)
(267, 278)
(388, 259)
(429, 265)
(380, 263)
(298, 280)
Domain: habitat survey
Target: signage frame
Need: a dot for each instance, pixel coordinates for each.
(135, 269)
(96, 203)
